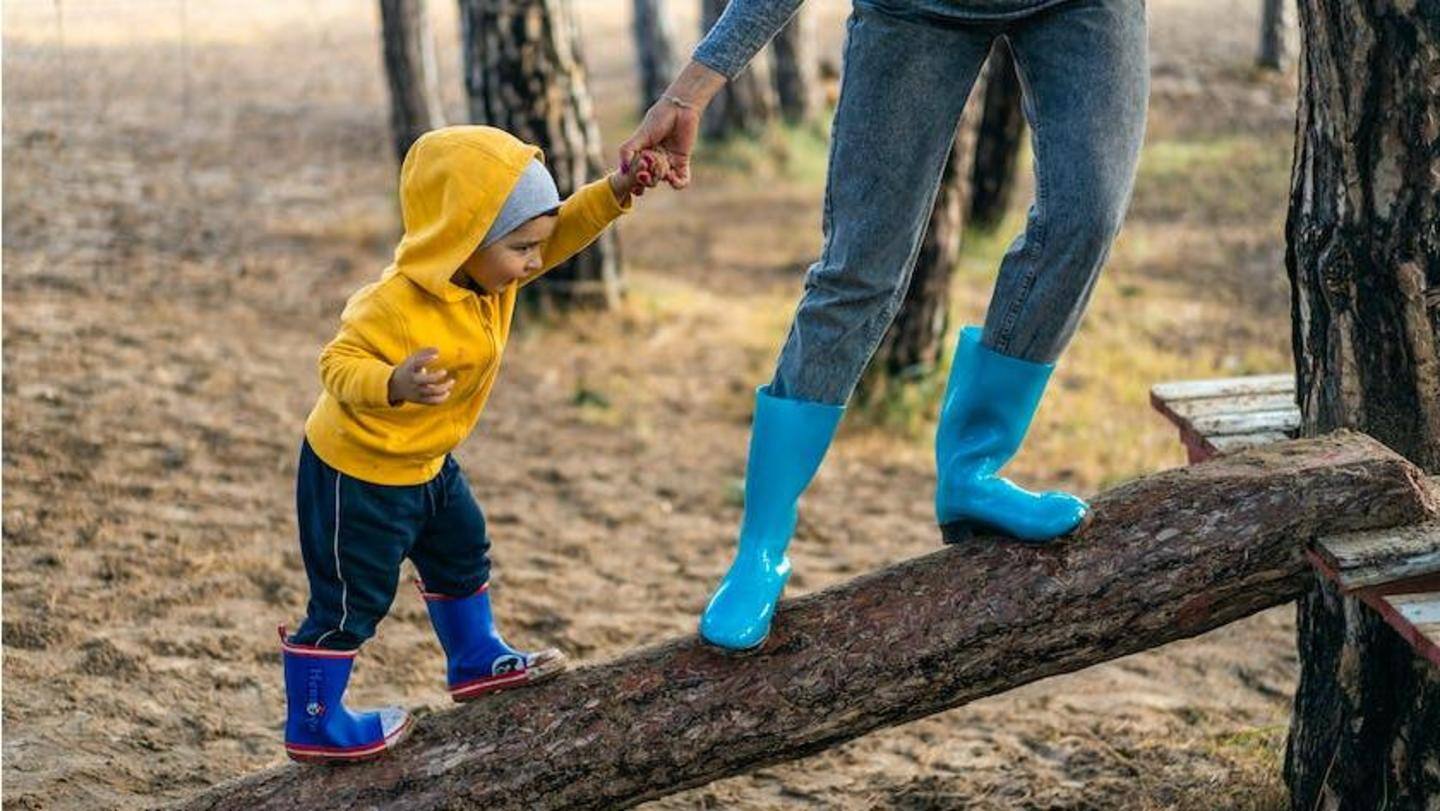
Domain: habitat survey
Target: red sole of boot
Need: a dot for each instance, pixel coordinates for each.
(337, 757)
(499, 684)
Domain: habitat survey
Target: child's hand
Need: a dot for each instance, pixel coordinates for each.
(646, 171)
(649, 169)
(412, 382)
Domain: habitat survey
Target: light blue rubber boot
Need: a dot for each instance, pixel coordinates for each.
(990, 400)
(787, 442)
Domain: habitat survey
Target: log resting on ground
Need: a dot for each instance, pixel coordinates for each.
(1167, 556)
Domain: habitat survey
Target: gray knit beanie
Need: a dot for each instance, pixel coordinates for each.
(534, 194)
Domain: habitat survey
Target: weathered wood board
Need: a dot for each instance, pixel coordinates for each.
(1227, 415)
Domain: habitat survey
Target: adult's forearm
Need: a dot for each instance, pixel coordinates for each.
(742, 30)
(696, 84)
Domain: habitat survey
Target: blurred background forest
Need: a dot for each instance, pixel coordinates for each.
(191, 190)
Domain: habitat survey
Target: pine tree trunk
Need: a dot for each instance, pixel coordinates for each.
(747, 103)
(997, 149)
(1363, 253)
(915, 341)
(409, 51)
(797, 79)
(1272, 34)
(654, 50)
(525, 74)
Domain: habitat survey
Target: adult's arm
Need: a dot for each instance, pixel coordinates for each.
(742, 30)
(673, 122)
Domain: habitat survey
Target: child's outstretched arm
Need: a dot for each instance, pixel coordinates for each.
(590, 210)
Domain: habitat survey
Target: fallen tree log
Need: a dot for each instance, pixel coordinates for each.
(1168, 556)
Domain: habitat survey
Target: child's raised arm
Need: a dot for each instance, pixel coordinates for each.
(590, 210)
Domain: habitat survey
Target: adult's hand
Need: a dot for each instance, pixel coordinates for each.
(673, 122)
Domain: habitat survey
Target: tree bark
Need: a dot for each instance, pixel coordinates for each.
(1363, 255)
(1167, 556)
(915, 340)
(409, 51)
(654, 50)
(524, 73)
(1272, 54)
(997, 148)
(796, 68)
(747, 102)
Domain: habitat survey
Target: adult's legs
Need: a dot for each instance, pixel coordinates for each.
(1085, 71)
(1083, 67)
(901, 95)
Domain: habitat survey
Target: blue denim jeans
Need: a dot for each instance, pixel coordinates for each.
(907, 73)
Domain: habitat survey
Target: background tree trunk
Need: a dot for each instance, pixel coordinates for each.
(1168, 556)
(1273, 29)
(654, 50)
(409, 51)
(997, 147)
(747, 103)
(797, 79)
(915, 341)
(1363, 254)
(524, 73)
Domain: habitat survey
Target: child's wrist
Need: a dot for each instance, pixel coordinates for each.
(620, 186)
(390, 396)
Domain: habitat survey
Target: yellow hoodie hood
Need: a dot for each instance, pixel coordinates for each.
(453, 183)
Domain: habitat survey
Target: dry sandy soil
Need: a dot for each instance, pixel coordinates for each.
(191, 190)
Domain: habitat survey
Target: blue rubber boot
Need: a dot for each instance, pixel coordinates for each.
(479, 661)
(787, 442)
(319, 728)
(990, 400)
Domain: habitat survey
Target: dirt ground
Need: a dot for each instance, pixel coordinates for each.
(192, 188)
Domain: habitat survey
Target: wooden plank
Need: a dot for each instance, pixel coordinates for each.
(1239, 404)
(1375, 557)
(1419, 609)
(1226, 415)
(1410, 606)
(1240, 442)
(1285, 422)
(1224, 387)
(1417, 618)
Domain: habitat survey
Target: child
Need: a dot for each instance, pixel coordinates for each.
(404, 383)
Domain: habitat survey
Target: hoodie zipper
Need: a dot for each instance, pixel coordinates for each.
(488, 323)
(481, 307)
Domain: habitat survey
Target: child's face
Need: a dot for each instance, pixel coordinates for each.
(513, 257)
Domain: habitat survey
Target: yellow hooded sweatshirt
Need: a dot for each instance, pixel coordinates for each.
(453, 184)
